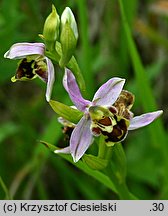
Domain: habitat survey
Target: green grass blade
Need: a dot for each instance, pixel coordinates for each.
(5, 189)
(86, 62)
(156, 129)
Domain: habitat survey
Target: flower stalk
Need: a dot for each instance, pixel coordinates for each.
(73, 66)
(116, 170)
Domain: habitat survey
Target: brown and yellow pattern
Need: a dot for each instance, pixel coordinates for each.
(113, 121)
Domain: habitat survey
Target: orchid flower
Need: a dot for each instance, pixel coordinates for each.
(108, 114)
(33, 64)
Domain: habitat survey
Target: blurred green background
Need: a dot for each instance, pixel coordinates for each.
(28, 169)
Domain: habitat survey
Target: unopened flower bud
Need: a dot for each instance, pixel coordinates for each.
(68, 37)
(51, 29)
(68, 17)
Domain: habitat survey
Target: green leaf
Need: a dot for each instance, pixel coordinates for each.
(68, 113)
(99, 176)
(49, 146)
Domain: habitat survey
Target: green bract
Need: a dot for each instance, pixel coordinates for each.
(94, 162)
(68, 113)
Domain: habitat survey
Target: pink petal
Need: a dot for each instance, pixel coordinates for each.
(143, 120)
(51, 78)
(72, 88)
(108, 93)
(21, 50)
(81, 138)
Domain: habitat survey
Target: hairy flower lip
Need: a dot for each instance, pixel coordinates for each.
(22, 50)
(106, 95)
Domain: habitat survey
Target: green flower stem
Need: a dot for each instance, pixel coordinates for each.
(116, 167)
(109, 153)
(104, 151)
(53, 55)
(74, 67)
(56, 54)
(121, 187)
(116, 171)
(102, 147)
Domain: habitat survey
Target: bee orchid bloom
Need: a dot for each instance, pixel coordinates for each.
(108, 114)
(33, 64)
